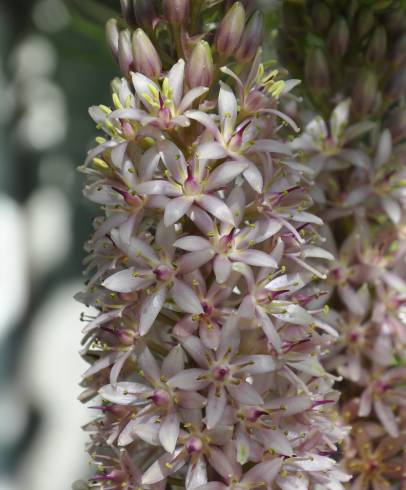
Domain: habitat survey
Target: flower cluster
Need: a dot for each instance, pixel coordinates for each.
(206, 271)
(358, 166)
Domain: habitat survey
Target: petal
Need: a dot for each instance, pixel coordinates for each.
(216, 404)
(186, 298)
(169, 431)
(147, 432)
(190, 399)
(149, 365)
(217, 208)
(245, 393)
(192, 243)
(163, 467)
(254, 178)
(102, 363)
(195, 348)
(193, 260)
(270, 146)
(255, 258)
(339, 119)
(196, 475)
(175, 78)
(210, 151)
(188, 380)
(154, 187)
(392, 209)
(124, 393)
(221, 463)
(176, 209)
(222, 268)
(294, 314)
(266, 472)
(228, 110)
(205, 120)
(174, 362)
(174, 160)
(230, 338)
(269, 329)
(125, 281)
(384, 149)
(150, 310)
(258, 364)
(144, 86)
(317, 252)
(190, 97)
(386, 417)
(224, 174)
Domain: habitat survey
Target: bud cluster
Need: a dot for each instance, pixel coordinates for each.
(206, 270)
(358, 162)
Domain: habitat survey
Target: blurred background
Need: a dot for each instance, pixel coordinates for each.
(53, 65)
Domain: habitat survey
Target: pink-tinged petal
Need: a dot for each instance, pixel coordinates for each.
(125, 281)
(176, 209)
(129, 114)
(186, 298)
(357, 157)
(201, 219)
(311, 366)
(357, 195)
(264, 229)
(210, 335)
(386, 417)
(189, 380)
(270, 146)
(339, 119)
(137, 249)
(351, 300)
(142, 85)
(230, 338)
(292, 405)
(174, 362)
(236, 202)
(165, 237)
(193, 260)
(217, 208)
(242, 443)
(293, 314)
(356, 130)
(158, 187)
(149, 365)
(317, 252)
(222, 463)
(228, 110)
(146, 432)
(269, 329)
(190, 399)
(190, 97)
(254, 178)
(102, 318)
(124, 393)
(195, 348)
(266, 472)
(169, 431)
(315, 462)
(174, 160)
(292, 482)
(384, 149)
(365, 404)
(102, 363)
(163, 467)
(118, 366)
(192, 243)
(210, 151)
(196, 475)
(245, 393)
(150, 309)
(254, 257)
(247, 307)
(127, 435)
(148, 164)
(392, 209)
(257, 364)
(224, 174)
(176, 77)
(276, 440)
(222, 268)
(216, 403)
(205, 120)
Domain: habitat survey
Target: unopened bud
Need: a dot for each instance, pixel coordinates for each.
(338, 37)
(251, 39)
(321, 16)
(145, 14)
(364, 22)
(176, 11)
(396, 124)
(112, 36)
(377, 45)
(125, 52)
(398, 52)
(396, 86)
(147, 60)
(127, 9)
(316, 70)
(364, 92)
(230, 30)
(200, 67)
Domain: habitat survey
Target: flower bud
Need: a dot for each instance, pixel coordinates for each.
(251, 38)
(338, 38)
(230, 30)
(176, 11)
(112, 36)
(125, 52)
(127, 10)
(321, 16)
(364, 22)
(396, 85)
(364, 92)
(398, 52)
(377, 45)
(396, 124)
(145, 14)
(200, 68)
(147, 60)
(316, 70)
